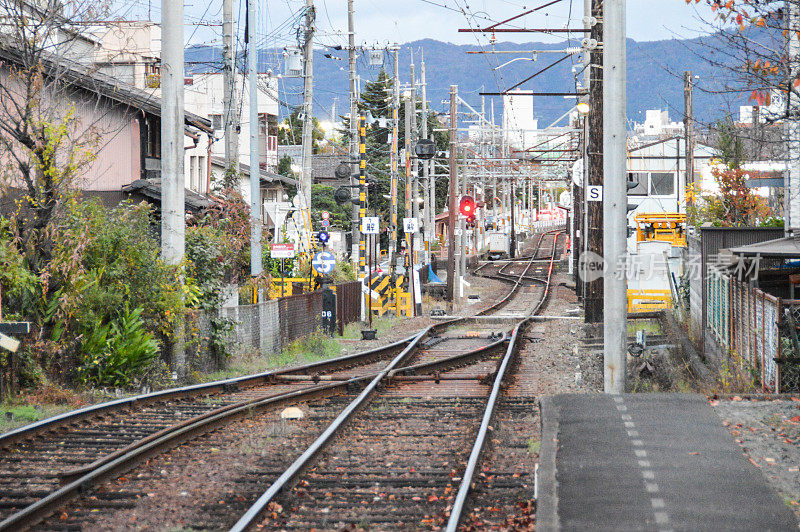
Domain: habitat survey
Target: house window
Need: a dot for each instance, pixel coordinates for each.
(662, 184)
(197, 173)
(153, 139)
(216, 122)
(640, 178)
(272, 194)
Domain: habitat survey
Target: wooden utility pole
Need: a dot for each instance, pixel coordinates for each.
(593, 302)
(688, 125)
(451, 218)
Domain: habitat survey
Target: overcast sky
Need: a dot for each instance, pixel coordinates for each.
(409, 20)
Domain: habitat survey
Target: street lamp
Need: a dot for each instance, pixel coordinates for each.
(583, 108)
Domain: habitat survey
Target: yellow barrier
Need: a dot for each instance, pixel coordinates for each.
(662, 227)
(288, 282)
(647, 300)
(389, 298)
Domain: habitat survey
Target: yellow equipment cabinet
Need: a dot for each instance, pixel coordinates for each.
(662, 226)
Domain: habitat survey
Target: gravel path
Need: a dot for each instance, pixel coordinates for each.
(769, 433)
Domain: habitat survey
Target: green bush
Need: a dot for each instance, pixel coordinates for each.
(117, 353)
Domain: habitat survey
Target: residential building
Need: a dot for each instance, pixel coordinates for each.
(124, 120)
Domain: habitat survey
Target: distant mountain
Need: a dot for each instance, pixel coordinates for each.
(655, 76)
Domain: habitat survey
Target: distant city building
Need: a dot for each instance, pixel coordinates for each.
(657, 126)
(519, 124)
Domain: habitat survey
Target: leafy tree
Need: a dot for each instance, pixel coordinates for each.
(290, 131)
(729, 142)
(285, 169)
(322, 200)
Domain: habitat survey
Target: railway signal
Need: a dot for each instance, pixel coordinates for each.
(467, 207)
(323, 237)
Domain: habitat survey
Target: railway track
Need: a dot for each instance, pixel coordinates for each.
(88, 451)
(409, 459)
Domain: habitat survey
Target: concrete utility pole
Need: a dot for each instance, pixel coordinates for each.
(308, 109)
(688, 125)
(593, 303)
(793, 123)
(395, 130)
(173, 226)
(231, 107)
(451, 218)
(255, 159)
(615, 136)
(173, 222)
(355, 224)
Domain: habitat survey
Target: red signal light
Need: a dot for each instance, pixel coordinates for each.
(467, 206)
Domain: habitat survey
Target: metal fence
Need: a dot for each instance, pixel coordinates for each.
(348, 304)
(746, 321)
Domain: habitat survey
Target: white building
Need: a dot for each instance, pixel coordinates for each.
(130, 51)
(657, 125)
(204, 96)
(519, 125)
(659, 170)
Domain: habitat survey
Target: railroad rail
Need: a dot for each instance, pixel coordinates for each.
(97, 444)
(349, 497)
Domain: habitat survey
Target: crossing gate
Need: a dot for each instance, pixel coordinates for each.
(386, 297)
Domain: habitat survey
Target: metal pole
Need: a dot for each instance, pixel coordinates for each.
(356, 219)
(395, 130)
(407, 105)
(369, 281)
(614, 196)
(688, 122)
(451, 218)
(462, 239)
(512, 244)
(231, 107)
(362, 190)
(426, 184)
(412, 287)
(173, 222)
(414, 160)
(308, 109)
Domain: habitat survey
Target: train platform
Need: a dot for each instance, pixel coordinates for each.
(647, 462)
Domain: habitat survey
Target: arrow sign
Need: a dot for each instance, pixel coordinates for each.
(323, 262)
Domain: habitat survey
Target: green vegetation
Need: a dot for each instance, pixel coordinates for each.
(311, 348)
(534, 445)
(352, 331)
